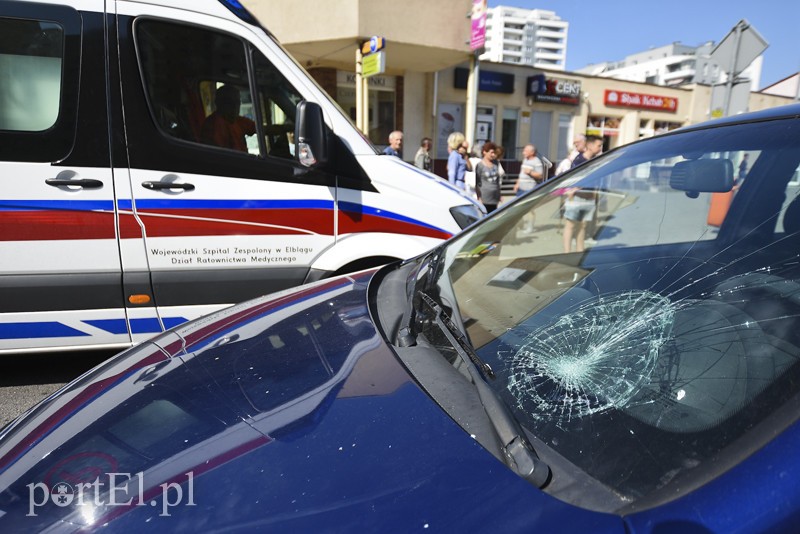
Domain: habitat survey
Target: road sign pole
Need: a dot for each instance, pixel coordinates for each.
(359, 92)
(732, 69)
(365, 104)
(472, 99)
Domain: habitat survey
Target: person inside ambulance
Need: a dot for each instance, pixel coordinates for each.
(225, 127)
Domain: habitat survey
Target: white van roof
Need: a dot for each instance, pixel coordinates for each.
(229, 9)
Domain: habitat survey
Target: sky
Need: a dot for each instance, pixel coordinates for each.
(609, 30)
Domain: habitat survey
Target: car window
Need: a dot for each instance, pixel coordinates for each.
(657, 345)
(31, 57)
(209, 99)
(278, 101)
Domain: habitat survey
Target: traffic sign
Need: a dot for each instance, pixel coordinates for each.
(373, 64)
(373, 45)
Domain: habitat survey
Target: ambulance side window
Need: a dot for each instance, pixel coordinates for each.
(278, 103)
(31, 56)
(196, 82)
(198, 86)
(39, 72)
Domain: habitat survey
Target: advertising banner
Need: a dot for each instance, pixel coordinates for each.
(553, 90)
(449, 120)
(478, 34)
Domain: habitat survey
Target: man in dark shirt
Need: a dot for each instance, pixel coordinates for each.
(225, 127)
(395, 147)
(594, 145)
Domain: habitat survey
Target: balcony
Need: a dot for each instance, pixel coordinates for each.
(513, 31)
(542, 32)
(685, 72)
(550, 47)
(544, 56)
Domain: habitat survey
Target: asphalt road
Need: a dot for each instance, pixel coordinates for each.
(26, 379)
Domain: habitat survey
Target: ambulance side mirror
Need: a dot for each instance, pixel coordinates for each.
(311, 143)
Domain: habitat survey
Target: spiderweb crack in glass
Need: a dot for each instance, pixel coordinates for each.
(595, 357)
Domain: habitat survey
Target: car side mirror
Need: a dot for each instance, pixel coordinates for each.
(311, 142)
(702, 176)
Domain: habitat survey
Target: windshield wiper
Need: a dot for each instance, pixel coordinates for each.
(517, 451)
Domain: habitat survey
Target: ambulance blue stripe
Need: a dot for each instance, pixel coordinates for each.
(38, 330)
(112, 326)
(149, 325)
(378, 212)
(61, 205)
(48, 329)
(158, 203)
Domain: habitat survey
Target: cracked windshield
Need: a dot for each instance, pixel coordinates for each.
(641, 314)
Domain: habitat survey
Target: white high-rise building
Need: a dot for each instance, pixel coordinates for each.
(526, 37)
(672, 65)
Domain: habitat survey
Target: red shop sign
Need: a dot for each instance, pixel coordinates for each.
(638, 100)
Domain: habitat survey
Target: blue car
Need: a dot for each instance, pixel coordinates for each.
(618, 350)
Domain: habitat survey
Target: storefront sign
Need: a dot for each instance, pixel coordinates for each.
(640, 101)
(553, 90)
(348, 79)
(489, 81)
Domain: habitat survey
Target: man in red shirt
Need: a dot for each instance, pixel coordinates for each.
(225, 127)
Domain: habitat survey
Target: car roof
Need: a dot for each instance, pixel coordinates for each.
(781, 112)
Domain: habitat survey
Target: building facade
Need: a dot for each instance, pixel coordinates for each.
(673, 65)
(423, 90)
(519, 105)
(532, 37)
(788, 87)
(422, 38)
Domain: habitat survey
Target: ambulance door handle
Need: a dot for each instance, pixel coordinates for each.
(85, 183)
(168, 185)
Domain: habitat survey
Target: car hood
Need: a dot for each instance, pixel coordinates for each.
(286, 412)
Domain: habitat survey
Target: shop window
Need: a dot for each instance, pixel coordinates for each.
(382, 105)
(541, 124)
(603, 126)
(645, 129)
(664, 127)
(509, 134)
(564, 137)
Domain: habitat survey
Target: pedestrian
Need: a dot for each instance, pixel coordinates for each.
(531, 172)
(487, 177)
(580, 206)
(593, 147)
(742, 169)
(469, 176)
(458, 160)
(395, 147)
(422, 159)
(500, 151)
(578, 144)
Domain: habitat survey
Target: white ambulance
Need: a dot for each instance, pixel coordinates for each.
(163, 159)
